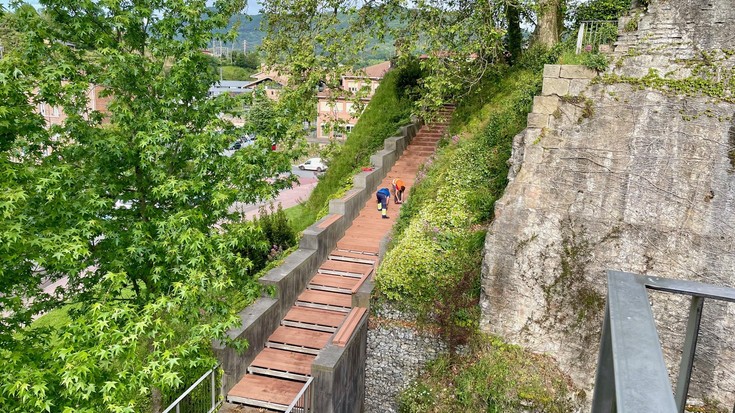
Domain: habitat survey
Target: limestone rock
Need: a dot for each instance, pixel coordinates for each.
(644, 184)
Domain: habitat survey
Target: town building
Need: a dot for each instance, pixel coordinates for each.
(55, 115)
(337, 115)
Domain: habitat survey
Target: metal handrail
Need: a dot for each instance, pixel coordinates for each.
(590, 30)
(302, 396)
(213, 406)
(632, 375)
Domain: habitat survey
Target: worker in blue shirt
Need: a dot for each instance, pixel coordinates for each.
(383, 196)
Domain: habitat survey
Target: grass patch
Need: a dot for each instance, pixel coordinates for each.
(455, 194)
(433, 265)
(299, 217)
(492, 377)
(235, 73)
(54, 319)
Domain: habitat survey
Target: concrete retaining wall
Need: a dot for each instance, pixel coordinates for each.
(261, 318)
(339, 374)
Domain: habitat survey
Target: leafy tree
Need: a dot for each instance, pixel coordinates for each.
(249, 60)
(127, 208)
(313, 40)
(600, 10)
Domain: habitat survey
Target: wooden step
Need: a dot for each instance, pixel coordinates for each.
(340, 255)
(333, 283)
(267, 392)
(348, 269)
(357, 246)
(313, 319)
(325, 300)
(298, 340)
(284, 364)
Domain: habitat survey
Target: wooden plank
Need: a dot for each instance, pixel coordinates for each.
(350, 267)
(348, 328)
(266, 389)
(327, 298)
(344, 255)
(354, 245)
(314, 316)
(336, 281)
(300, 337)
(287, 361)
(359, 283)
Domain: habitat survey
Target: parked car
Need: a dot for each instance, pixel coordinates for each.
(242, 142)
(313, 164)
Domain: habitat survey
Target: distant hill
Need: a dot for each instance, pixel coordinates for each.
(249, 31)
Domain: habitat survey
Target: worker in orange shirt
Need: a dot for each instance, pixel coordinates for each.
(398, 188)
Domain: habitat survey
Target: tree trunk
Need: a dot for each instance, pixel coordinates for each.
(515, 37)
(549, 20)
(156, 400)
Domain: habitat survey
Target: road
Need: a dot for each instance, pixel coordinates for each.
(287, 198)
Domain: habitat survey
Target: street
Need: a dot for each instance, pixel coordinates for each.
(287, 198)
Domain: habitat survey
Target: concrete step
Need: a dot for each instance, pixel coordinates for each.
(314, 319)
(282, 364)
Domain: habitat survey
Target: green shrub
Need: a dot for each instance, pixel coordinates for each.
(492, 377)
(455, 192)
(595, 61)
(276, 228)
(600, 10)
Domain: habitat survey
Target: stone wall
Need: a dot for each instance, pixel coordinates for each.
(397, 352)
(621, 177)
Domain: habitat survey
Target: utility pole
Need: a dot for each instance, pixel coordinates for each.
(244, 47)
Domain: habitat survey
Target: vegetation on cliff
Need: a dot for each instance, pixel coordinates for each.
(433, 266)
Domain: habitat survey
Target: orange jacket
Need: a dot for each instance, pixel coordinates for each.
(397, 183)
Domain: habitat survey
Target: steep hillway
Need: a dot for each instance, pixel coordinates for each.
(280, 370)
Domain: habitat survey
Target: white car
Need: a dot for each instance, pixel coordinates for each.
(313, 164)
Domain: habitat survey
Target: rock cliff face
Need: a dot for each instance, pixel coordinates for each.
(624, 174)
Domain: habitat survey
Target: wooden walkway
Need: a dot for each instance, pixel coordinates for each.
(279, 371)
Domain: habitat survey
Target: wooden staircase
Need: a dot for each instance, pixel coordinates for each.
(279, 371)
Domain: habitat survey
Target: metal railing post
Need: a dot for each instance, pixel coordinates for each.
(580, 38)
(687, 355)
(199, 403)
(603, 399)
(213, 386)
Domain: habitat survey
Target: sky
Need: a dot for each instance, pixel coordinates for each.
(253, 6)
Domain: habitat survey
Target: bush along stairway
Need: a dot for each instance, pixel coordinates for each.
(278, 373)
